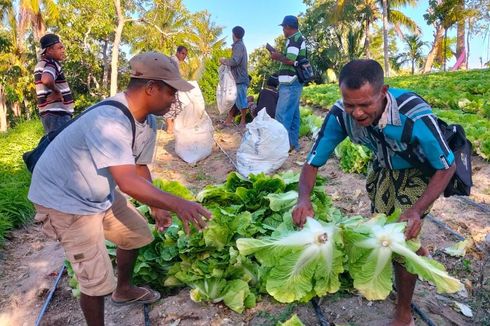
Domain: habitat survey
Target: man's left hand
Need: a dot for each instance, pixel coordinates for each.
(162, 218)
(414, 223)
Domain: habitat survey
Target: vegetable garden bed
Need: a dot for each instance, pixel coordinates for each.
(345, 307)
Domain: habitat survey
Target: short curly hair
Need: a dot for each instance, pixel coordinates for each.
(359, 72)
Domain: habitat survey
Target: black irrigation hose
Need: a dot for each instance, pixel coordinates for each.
(50, 296)
(146, 313)
(319, 314)
(422, 315)
(444, 226)
(483, 207)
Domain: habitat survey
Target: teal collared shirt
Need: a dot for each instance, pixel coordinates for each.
(407, 119)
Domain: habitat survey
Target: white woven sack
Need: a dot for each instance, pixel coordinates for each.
(226, 90)
(264, 146)
(193, 127)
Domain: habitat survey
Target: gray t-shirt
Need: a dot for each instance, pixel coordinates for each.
(72, 175)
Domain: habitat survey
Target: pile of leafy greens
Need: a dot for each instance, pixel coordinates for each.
(208, 262)
(251, 247)
(298, 265)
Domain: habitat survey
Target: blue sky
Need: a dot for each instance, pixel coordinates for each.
(260, 19)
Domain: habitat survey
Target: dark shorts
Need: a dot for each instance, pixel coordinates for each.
(54, 120)
(392, 189)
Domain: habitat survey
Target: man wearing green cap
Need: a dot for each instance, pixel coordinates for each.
(76, 198)
(54, 98)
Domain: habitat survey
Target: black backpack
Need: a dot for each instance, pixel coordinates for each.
(30, 158)
(303, 68)
(461, 182)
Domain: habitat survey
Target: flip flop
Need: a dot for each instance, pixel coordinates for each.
(150, 296)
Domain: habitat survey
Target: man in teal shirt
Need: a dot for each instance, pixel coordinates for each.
(388, 121)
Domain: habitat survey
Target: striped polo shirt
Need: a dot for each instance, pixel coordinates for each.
(53, 68)
(407, 119)
(294, 50)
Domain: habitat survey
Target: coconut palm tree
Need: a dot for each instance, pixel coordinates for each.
(386, 10)
(414, 45)
(33, 14)
(204, 40)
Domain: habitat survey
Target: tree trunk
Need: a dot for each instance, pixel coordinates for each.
(39, 26)
(438, 35)
(444, 52)
(3, 110)
(27, 109)
(115, 46)
(367, 53)
(460, 43)
(413, 66)
(460, 40)
(468, 44)
(16, 109)
(105, 60)
(385, 38)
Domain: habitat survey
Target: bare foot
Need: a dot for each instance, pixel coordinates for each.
(405, 320)
(401, 323)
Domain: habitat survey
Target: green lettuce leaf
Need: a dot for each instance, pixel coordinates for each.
(302, 263)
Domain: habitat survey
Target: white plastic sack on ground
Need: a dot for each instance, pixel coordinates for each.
(193, 127)
(264, 146)
(226, 89)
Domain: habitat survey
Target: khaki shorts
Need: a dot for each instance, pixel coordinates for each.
(82, 238)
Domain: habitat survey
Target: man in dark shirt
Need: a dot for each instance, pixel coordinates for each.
(268, 97)
(239, 68)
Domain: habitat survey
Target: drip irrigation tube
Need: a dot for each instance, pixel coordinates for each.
(322, 320)
(483, 207)
(444, 226)
(422, 315)
(146, 313)
(50, 296)
(226, 154)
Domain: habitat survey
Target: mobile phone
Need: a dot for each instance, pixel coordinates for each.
(270, 48)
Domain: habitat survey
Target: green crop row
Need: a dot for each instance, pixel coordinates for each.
(468, 91)
(461, 97)
(15, 208)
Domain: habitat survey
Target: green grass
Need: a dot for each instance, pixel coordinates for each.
(15, 208)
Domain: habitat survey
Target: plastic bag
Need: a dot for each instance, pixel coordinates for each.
(226, 91)
(264, 146)
(193, 127)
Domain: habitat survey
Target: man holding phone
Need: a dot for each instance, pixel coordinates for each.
(287, 110)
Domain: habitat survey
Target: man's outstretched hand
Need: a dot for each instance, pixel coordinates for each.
(301, 211)
(192, 213)
(414, 223)
(162, 218)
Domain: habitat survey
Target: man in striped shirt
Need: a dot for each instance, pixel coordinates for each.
(287, 109)
(54, 97)
(388, 121)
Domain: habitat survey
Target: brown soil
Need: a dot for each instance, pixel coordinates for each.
(29, 262)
